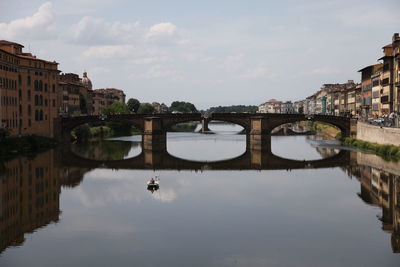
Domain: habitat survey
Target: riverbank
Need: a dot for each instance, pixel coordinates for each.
(389, 152)
(372, 139)
(14, 146)
(322, 129)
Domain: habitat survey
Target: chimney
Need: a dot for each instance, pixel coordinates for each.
(395, 36)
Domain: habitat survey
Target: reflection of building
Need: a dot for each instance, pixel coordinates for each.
(30, 198)
(29, 195)
(382, 189)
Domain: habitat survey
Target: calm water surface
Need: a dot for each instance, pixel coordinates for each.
(57, 215)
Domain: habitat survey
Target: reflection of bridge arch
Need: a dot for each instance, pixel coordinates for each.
(250, 160)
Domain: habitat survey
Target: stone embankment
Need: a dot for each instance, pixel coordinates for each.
(379, 135)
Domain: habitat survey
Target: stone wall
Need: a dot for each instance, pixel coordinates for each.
(376, 134)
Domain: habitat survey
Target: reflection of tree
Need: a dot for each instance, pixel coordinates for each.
(104, 149)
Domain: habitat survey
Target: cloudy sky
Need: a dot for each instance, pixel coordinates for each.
(209, 52)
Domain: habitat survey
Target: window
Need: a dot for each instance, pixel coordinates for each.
(385, 82)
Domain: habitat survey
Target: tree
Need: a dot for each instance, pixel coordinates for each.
(133, 105)
(181, 106)
(116, 108)
(145, 108)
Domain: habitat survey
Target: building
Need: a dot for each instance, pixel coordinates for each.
(396, 72)
(271, 106)
(74, 98)
(366, 88)
(376, 94)
(102, 98)
(160, 108)
(298, 107)
(287, 107)
(28, 91)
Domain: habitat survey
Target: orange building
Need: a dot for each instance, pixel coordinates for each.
(74, 98)
(103, 98)
(28, 91)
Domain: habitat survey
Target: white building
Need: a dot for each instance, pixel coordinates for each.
(271, 106)
(287, 107)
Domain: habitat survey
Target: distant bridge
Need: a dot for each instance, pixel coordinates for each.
(154, 126)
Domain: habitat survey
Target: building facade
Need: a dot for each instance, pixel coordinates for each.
(74, 98)
(28, 91)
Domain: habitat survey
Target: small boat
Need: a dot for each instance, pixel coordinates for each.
(153, 185)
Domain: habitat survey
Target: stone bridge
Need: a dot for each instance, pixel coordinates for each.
(258, 127)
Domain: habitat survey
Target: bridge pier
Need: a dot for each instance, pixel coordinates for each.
(204, 125)
(259, 138)
(154, 136)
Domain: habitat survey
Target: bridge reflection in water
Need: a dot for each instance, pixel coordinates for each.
(30, 188)
(250, 160)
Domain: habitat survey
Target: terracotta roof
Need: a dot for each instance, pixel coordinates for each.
(5, 42)
(387, 46)
(35, 58)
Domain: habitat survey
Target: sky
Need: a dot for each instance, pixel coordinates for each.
(209, 52)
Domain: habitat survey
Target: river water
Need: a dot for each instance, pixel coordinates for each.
(55, 213)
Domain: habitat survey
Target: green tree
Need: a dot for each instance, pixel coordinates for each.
(116, 108)
(133, 105)
(181, 106)
(145, 108)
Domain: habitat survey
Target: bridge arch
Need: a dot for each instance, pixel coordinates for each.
(64, 126)
(342, 123)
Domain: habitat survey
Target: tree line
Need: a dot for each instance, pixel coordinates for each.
(134, 106)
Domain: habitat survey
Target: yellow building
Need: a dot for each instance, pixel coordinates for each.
(28, 91)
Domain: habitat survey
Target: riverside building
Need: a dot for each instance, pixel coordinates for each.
(28, 91)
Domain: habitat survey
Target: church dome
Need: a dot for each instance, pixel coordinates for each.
(86, 81)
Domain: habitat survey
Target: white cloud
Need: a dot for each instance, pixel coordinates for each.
(233, 63)
(108, 51)
(39, 26)
(99, 70)
(326, 70)
(91, 30)
(259, 72)
(158, 72)
(149, 60)
(161, 31)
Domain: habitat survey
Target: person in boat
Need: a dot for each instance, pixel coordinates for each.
(152, 181)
